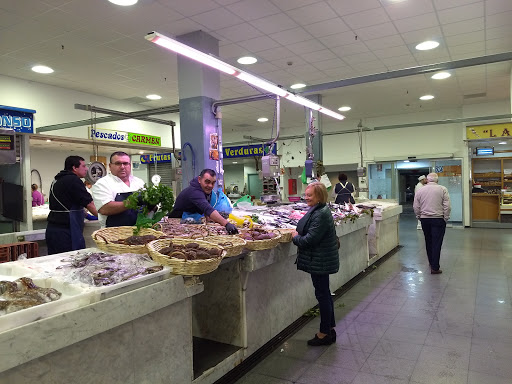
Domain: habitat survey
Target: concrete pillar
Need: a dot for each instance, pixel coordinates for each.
(199, 87)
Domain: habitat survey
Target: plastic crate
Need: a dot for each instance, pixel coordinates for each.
(5, 253)
(11, 252)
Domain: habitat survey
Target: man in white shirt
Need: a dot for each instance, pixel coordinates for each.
(432, 206)
(422, 180)
(110, 191)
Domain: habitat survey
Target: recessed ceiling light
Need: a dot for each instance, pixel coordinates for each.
(297, 86)
(502, 142)
(48, 141)
(345, 108)
(153, 97)
(141, 152)
(426, 97)
(406, 161)
(262, 119)
(441, 75)
(42, 69)
(247, 60)
(124, 3)
(235, 162)
(426, 45)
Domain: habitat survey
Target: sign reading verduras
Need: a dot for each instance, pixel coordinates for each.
(18, 119)
(247, 151)
(489, 131)
(124, 137)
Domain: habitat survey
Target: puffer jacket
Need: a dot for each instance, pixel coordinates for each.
(317, 242)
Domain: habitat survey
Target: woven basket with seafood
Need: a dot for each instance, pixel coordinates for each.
(186, 256)
(233, 245)
(258, 238)
(122, 240)
(186, 231)
(286, 234)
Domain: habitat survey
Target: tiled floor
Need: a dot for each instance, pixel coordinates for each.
(397, 327)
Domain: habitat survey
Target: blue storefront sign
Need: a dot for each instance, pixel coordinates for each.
(160, 158)
(19, 119)
(247, 151)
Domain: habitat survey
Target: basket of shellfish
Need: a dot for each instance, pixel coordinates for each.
(186, 231)
(233, 245)
(122, 240)
(258, 238)
(286, 234)
(186, 256)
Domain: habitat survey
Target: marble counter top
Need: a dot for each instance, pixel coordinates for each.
(44, 336)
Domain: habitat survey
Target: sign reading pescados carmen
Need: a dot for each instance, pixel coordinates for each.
(124, 137)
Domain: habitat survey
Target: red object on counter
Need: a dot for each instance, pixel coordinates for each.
(292, 186)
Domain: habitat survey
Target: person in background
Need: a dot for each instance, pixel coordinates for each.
(111, 190)
(317, 255)
(422, 181)
(432, 207)
(196, 199)
(88, 216)
(68, 198)
(37, 197)
(343, 190)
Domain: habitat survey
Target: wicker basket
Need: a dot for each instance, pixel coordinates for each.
(235, 249)
(104, 237)
(185, 267)
(259, 245)
(286, 234)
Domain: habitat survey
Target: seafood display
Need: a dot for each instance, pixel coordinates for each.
(102, 269)
(135, 240)
(23, 293)
(186, 231)
(190, 251)
(257, 234)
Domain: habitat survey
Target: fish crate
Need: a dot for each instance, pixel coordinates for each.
(17, 249)
(5, 254)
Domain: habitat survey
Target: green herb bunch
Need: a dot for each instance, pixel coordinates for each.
(146, 200)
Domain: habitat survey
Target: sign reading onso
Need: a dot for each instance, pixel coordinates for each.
(19, 119)
(124, 137)
(247, 151)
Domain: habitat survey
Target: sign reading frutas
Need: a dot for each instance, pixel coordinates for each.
(124, 137)
(160, 158)
(247, 151)
(19, 119)
(489, 131)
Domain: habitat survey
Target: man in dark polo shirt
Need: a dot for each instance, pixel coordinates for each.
(68, 198)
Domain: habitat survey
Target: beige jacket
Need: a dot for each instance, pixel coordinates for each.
(432, 201)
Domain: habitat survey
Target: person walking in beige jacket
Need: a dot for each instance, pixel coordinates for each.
(432, 207)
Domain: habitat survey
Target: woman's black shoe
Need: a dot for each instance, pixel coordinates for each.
(316, 341)
(333, 335)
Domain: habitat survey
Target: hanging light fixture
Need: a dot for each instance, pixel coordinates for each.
(213, 62)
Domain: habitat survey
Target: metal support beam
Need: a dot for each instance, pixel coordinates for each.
(410, 72)
(127, 115)
(100, 120)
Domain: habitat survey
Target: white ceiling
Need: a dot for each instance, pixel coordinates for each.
(97, 47)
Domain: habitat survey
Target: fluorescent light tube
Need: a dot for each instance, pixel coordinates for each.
(263, 84)
(190, 52)
(303, 101)
(328, 112)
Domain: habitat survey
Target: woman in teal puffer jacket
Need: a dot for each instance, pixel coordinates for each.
(317, 245)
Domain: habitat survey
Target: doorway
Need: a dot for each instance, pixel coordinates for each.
(254, 185)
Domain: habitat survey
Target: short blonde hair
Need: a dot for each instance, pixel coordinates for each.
(319, 191)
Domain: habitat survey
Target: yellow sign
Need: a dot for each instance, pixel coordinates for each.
(489, 131)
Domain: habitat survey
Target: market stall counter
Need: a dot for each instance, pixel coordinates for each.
(135, 335)
(383, 234)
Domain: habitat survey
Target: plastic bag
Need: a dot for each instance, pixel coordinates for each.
(246, 199)
(324, 179)
(303, 177)
(191, 218)
(220, 202)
